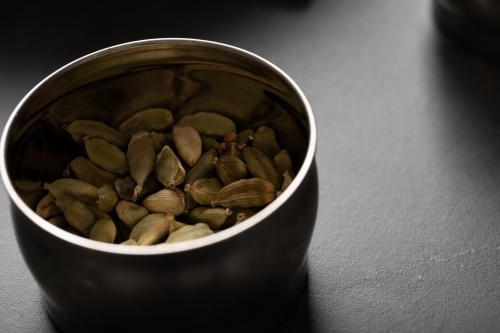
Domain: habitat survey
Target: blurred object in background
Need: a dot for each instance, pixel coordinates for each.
(475, 23)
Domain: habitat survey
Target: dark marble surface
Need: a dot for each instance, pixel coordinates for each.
(408, 229)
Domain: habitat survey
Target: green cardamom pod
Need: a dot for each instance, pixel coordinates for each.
(78, 214)
(190, 203)
(210, 143)
(231, 219)
(283, 163)
(159, 141)
(230, 169)
(47, 207)
(236, 218)
(244, 137)
(71, 230)
(188, 144)
(130, 213)
(245, 193)
(189, 232)
(125, 187)
(151, 120)
(168, 168)
(106, 198)
(208, 124)
(204, 168)
(59, 221)
(97, 212)
(27, 185)
(169, 140)
(174, 224)
(287, 180)
(245, 214)
(150, 229)
(95, 129)
(73, 188)
(260, 166)
(104, 230)
(230, 137)
(141, 158)
(264, 139)
(232, 150)
(129, 242)
(204, 190)
(107, 156)
(213, 217)
(167, 201)
(87, 171)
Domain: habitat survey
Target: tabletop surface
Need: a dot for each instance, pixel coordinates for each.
(407, 233)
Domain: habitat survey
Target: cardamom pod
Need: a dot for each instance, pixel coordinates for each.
(188, 144)
(73, 188)
(168, 201)
(141, 159)
(59, 221)
(174, 224)
(189, 232)
(204, 190)
(71, 230)
(209, 143)
(230, 169)
(87, 171)
(104, 230)
(95, 129)
(230, 137)
(290, 134)
(245, 214)
(125, 187)
(78, 214)
(27, 185)
(232, 150)
(168, 168)
(97, 212)
(129, 242)
(130, 213)
(236, 217)
(245, 193)
(150, 229)
(47, 207)
(213, 217)
(287, 180)
(169, 140)
(260, 166)
(208, 124)
(231, 219)
(244, 137)
(190, 203)
(283, 163)
(106, 198)
(151, 120)
(264, 139)
(107, 156)
(158, 141)
(204, 168)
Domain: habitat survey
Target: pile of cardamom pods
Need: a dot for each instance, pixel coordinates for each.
(158, 181)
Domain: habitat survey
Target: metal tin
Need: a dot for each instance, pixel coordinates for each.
(242, 279)
(474, 23)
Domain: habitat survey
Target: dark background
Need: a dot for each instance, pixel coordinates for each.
(407, 234)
